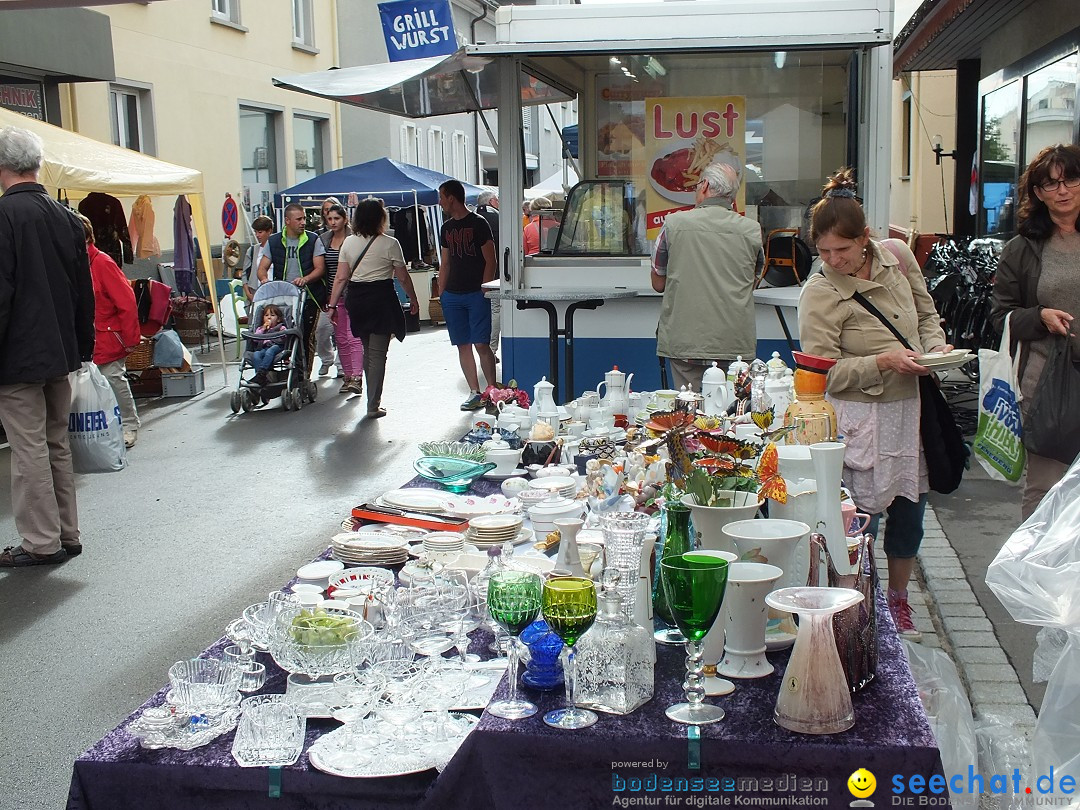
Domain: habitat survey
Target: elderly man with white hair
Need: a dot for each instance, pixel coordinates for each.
(46, 331)
(704, 263)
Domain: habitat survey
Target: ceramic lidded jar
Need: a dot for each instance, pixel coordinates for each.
(810, 414)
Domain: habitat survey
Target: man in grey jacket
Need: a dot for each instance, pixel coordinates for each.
(704, 263)
(46, 331)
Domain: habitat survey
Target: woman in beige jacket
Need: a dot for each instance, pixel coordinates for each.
(873, 386)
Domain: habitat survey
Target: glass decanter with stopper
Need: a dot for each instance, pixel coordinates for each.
(615, 658)
(498, 560)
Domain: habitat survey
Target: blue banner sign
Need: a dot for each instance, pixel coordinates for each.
(414, 30)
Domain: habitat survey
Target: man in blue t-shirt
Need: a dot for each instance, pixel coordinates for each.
(467, 261)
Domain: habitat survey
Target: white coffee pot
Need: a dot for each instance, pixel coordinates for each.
(714, 388)
(618, 389)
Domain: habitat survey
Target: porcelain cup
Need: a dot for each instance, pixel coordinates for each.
(665, 399)
(855, 521)
(509, 422)
(576, 427)
(505, 461)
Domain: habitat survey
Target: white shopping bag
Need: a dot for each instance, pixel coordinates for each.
(94, 428)
(999, 445)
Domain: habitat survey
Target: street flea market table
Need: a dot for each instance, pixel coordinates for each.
(505, 764)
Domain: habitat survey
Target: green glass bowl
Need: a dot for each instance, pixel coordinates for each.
(453, 473)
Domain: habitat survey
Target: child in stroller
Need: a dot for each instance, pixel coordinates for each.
(271, 339)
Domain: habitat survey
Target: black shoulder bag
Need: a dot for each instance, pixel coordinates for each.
(943, 443)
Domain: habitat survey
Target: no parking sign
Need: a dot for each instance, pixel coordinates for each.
(229, 215)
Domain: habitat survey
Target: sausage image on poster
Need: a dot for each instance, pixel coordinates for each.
(682, 137)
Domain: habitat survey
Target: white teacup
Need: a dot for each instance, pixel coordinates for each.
(575, 428)
(505, 461)
(665, 399)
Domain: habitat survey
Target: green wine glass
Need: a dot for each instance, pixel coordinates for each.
(694, 584)
(568, 605)
(514, 602)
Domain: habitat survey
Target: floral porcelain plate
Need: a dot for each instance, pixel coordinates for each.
(469, 506)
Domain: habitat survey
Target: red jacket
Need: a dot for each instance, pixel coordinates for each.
(114, 309)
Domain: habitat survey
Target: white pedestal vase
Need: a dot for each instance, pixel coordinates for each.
(828, 460)
(712, 646)
(569, 558)
(774, 542)
(746, 616)
(709, 521)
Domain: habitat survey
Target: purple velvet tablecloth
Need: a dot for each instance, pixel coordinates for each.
(506, 764)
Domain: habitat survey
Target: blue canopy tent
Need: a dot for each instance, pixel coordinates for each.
(397, 184)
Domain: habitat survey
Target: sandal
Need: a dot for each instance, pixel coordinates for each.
(18, 557)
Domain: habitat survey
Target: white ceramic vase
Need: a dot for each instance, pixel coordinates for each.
(828, 458)
(569, 559)
(745, 620)
(802, 505)
(709, 521)
(712, 646)
(771, 541)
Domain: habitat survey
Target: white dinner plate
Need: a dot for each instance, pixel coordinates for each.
(943, 362)
(498, 476)
(428, 500)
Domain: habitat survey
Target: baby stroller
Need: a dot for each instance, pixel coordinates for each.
(287, 377)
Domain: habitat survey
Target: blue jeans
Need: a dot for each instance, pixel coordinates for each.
(904, 531)
(264, 358)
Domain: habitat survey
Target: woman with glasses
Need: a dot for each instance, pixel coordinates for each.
(1038, 283)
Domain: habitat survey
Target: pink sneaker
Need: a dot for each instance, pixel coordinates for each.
(901, 614)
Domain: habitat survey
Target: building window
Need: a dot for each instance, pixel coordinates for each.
(303, 24)
(410, 144)
(436, 158)
(308, 146)
(259, 140)
(998, 152)
(460, 153)
(227, 10)
(1051, 95)
(905, 135)
(131, 118)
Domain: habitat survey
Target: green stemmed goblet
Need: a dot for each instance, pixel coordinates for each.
(568, 605)
(514, 602)
(694, 584)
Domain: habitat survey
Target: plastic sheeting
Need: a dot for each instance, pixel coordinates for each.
(1035, 575)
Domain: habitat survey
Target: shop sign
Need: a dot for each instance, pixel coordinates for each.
(682, 137)
(23, 97)
(414, 30)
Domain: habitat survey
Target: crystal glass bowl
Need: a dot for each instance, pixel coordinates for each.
(319, 642)
(204, 684)
(472, 452)
(453, 473)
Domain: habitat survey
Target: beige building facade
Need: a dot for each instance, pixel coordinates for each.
(193, 87)
(921, 197)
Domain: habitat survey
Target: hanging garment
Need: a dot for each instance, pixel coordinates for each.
(183, 246)
(111, 234)
(141, 228)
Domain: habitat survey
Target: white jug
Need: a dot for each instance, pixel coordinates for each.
(618, 388)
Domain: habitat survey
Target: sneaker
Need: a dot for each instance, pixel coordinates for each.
(473, 403)
(901, 614)
(356, 385)
(325, 370)
(346, 386)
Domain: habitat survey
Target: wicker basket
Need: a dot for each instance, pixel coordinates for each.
(190, 319)
(142, 356)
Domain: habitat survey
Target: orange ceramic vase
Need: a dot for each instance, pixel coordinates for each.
(813, 418)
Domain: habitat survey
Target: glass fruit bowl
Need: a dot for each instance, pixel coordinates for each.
(204, 684)
(465, 450)
(453, 473)
(319, 642)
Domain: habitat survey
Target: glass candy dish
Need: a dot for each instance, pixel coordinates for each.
(456, 474)
(465, 450)
(318, 643)
(166, 727)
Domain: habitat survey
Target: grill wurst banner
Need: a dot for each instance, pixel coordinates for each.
(414, 30)
(682, 136)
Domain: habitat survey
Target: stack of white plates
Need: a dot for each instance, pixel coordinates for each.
(564, 485)
(370, 548)
(424, 500)
(444, 543)
(493, 530)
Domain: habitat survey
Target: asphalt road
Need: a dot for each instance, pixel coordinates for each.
(212, 513)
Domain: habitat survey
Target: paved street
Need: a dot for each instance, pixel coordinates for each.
(215, 510)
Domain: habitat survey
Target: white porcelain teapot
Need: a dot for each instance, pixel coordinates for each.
(714, 388)
(544, 406)
(618, 389)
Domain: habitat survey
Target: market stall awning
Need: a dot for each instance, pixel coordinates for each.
(397, 184)
(943, 32)
(419, 88)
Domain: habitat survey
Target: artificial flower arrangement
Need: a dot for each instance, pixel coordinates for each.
(509, 393)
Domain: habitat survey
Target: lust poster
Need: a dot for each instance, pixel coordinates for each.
(682, 137)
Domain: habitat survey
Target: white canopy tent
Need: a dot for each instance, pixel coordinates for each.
(553, 185)
(79, 165)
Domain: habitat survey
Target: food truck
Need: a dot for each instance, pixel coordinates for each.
(786, 91)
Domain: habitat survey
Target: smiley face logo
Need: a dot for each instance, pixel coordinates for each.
(862, 783)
